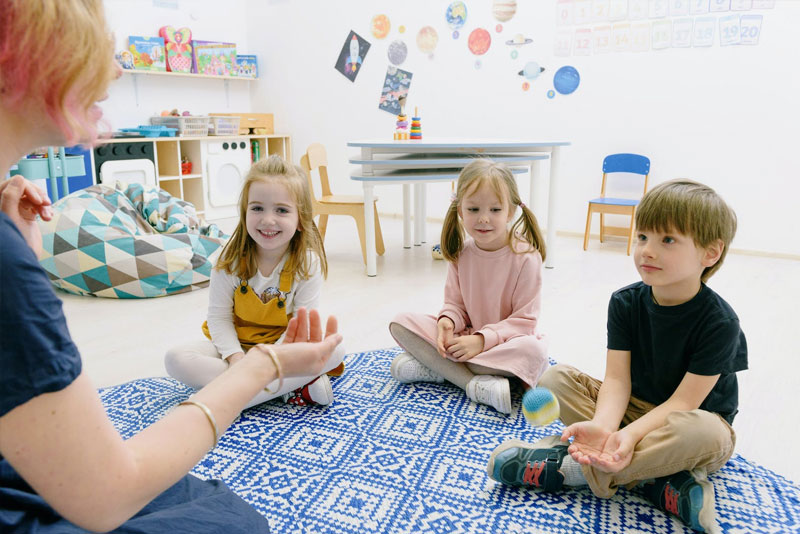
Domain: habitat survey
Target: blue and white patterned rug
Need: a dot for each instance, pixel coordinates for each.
(393, 458)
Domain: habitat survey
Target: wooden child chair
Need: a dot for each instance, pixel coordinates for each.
(630, 163)
(330, 204)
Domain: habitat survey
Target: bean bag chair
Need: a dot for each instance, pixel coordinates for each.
(128, 241)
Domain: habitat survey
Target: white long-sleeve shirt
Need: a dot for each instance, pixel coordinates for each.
(304, 293)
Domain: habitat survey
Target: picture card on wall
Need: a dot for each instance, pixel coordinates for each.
(682, 33)
(750, 29)
(662, 34)
(729, 30)
(395, 85)
(698, 7)
(703, 31)
(351, 57)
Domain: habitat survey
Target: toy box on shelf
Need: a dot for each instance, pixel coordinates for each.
(187, 126)
(213, 58)
(147, 52)
(252, 123)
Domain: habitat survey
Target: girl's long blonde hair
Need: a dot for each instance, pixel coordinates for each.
(482, 171)
(240, 255)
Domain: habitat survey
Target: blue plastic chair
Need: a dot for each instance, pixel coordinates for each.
(630, 163)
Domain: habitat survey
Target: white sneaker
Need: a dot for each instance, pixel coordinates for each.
(493, 391)
(318, 391)
(406, 369)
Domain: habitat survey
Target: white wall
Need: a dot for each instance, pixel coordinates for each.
(726, 116)
(209, 20)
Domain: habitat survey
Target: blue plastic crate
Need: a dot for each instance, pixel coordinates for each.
(152, 131)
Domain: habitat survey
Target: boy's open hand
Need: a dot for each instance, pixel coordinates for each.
(594, 445)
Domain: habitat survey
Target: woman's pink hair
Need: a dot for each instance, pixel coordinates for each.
(57, 54)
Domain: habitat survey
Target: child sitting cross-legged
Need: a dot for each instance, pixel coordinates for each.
(661, 419)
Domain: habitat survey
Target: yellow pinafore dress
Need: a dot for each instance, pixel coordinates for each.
(257, 321)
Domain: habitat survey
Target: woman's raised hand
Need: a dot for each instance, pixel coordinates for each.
(22, 201)
(305, 350)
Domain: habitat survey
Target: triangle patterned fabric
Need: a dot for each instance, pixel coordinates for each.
(128, 242)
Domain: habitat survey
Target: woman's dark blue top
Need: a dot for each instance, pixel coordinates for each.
(38, 356)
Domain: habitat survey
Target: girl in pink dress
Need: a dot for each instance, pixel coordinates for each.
(486, 330)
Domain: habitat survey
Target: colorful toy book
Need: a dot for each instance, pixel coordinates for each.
(179, 48)
(246, 66)
(147, 52)
(213, 58)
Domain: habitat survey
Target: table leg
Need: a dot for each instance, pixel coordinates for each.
(406, 215)
(423, 216)
(369, 222)
(552, 202)
(417, 215)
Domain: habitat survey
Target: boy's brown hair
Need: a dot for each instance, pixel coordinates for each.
(692, 209)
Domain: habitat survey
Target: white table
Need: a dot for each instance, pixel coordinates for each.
(433, 160)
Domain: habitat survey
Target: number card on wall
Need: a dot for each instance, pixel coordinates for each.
(658, 9)
(750, 29)
(600, 10)
(720, 5)
(703, 32)
(563, 43)
(678, 8)
(621, 35)
(763, 4)
(662, 34)
(618, 9)
(729, 30)
(638, 9)
(564, 13)
(741, 5)
(682, 33)
(698, 7)
(602, 39)
(582, 45)
(582, 11)
(640, 37)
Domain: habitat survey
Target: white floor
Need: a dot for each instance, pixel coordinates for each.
(122, 340)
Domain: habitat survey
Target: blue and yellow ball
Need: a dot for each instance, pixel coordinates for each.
(540, 406)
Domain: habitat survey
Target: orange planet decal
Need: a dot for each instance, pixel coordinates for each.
(479, 41)
(380, 26)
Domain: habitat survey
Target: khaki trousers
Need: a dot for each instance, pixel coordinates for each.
(691, 440)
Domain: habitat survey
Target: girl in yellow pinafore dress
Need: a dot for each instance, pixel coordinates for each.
(273, 264)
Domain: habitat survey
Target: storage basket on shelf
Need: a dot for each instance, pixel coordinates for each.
(224, 125)
(188, 126)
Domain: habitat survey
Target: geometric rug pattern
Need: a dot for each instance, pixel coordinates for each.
(406, 458)
(127, 242)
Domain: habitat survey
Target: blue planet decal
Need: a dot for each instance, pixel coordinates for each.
(566, 80)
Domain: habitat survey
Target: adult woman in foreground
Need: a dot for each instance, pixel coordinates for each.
(63, 466)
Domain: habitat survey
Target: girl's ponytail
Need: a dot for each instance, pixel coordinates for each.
(452, 239)
(527, 228)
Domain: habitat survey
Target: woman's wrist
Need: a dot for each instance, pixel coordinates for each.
(261, 365)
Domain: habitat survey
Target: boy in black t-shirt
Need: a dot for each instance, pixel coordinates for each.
(661, 417)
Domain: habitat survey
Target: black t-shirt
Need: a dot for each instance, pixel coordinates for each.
(37, 354)
(701, 336)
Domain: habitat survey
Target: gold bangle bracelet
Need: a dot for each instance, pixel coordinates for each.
(208, 414)
(268, 350)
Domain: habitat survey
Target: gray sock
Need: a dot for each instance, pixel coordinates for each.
(573, 473)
